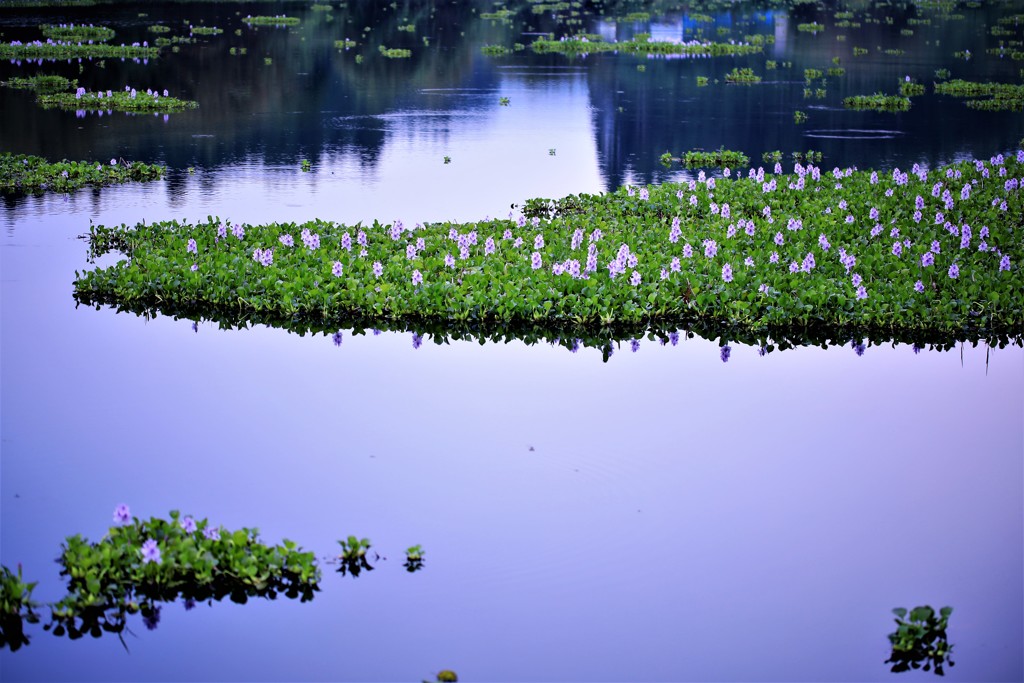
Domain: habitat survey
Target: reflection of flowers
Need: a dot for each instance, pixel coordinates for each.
(150, 552)
(152, 619)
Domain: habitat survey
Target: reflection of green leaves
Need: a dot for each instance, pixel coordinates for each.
(16, 607)
(20, 173)
(919, 641)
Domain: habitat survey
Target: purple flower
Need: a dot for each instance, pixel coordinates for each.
(727, 273)
(417, 277)
(897, 248)
(675, 265)
(188, 524)
(725, 353)
(289, 241)
(808, 264)
(954, 271)
(518, 243)
(919, 202)
(535, 260)
(634, 345)
(336, 338)
(538, 242)
(748, 262)
(644, 194)
(1004, 263)
(212, 532)
(122, 515)
(774, 258)
(794, 267)
(856, 279)
(194, 267)
(710, 248)
(873, 214)
(687, 251)
(150, 552)
(634, 279)
(417, 340)
(346, 242)
(823, 242)
(918, 286)
(192, 248)
(377, 268)
(862, 293)
(337, 269)
(489, 246)
(779, 239)
(858, 348)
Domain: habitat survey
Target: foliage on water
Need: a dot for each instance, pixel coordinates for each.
(929, 256)
(877, 102)
(41, 83)
(141, 564)
(587, 44)
(21, 173)
(72, 50)
(998, 96)
(920, 641)
(77, 33)
(744, 76)
(128, 100)
(278, 20)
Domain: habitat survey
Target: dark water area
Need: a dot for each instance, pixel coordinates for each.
(662, 516)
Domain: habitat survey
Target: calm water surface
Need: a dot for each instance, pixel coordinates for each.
(662, 516)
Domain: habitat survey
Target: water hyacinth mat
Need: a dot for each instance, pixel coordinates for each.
(929, 255)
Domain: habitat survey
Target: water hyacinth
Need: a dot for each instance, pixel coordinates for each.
(122, 515)
(798, 282)
(150, 552)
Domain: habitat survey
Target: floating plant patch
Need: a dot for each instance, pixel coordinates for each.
(931, 255)
(24, 174)
(919, 641)
(73, 50)
(129, 99)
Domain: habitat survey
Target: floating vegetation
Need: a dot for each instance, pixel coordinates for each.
(353, 558)
(159, 28)
(587, 45)
(877, 102)
(812, 75)
(719, 158)
(69, 50)
(16, 607)
(320, 7)
(163, 41)
(80, 33)
(140, 564)
(344, 44)
(702, 81)
(836, 71)
(947, 266)
(859, 51)
(129, 100)
(414, 559)
(29, 174)
(41, 83)
(1001, 96)
(495, 50)
(920, 641)
(799, 117)
(205, 30)
(812, 27)
(941, 74)
(395, 52)
(745, 76)
(909, 88)
(278, 20)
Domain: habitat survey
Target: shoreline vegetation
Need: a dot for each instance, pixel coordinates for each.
(20, 173)
(772, 259)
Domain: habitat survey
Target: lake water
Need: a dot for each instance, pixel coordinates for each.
(660, 516)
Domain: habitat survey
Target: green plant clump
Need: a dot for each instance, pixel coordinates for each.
(205, 30)
(395, 52)
(877, 102)
(279, 20)
(709, 274)
(115, 100)
(16, 607)
(77, 34)
(144, 562)
(23, 174)
(812, 27)
(69, 50)
(920, 641)
(911, 89)
(41, 83)
(744, 76)
(586, 45)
